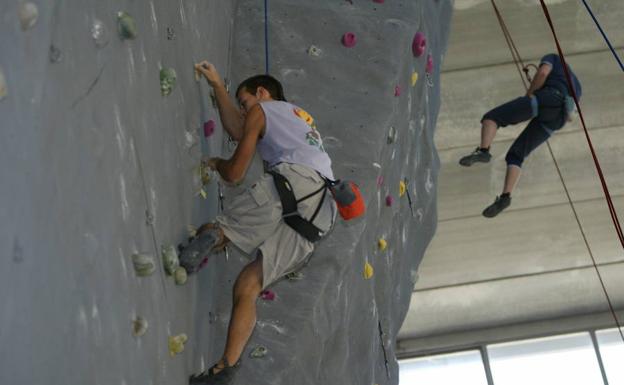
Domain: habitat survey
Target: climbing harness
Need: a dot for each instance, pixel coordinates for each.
(518, 61)
(346, 194)
(291, 216)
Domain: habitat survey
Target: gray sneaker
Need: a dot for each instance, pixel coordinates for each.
(500, 204)
(476, 156)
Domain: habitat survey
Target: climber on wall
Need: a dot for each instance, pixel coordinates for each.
(547, 104)
(287, 140)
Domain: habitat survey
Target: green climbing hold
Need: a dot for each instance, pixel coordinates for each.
(170, 259)
(126, 26)
(258, 352)
(180, 275)
(167, 80)
(143, 264)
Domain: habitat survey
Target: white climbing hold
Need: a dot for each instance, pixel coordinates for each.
(99, 33)
(392, 135)
(170, 259)
(180, 276)
(143, 264)
(376, 165)
(28, 14)
(139, 326)
(192, 230)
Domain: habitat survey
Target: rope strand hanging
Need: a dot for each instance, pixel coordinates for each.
(519, 64)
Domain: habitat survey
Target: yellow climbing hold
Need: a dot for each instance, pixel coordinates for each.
(414, 78)
(368, 271)
(203, 193)
(401, 188)
(382, 244)
(176, 344)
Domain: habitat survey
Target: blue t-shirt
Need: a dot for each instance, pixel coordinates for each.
(557, 78)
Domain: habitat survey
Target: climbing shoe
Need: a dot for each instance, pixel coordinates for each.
(500, 204)
(477, 155)
(209, 377)
(194, 256)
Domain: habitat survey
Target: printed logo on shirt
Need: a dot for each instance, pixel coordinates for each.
(313, 137)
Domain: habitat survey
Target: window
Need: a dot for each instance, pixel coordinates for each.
(465, 368)
(612, 352)
(568, 359)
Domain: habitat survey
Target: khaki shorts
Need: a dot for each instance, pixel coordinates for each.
(252, 221)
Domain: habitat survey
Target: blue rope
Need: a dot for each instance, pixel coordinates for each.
(266, 35)
(603, 34)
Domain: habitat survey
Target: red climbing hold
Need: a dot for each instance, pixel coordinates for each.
(209, 128)
(429, 67)
(397, 91)
(419, 44)
(267, 295)
(348, 39)
(389, 200)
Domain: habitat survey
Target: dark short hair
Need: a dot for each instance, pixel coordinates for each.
(268, 82)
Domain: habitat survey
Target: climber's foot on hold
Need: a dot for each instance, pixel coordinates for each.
(221, 373)
(209, 239)
(500, 204)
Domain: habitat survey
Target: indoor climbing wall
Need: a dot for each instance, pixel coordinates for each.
(102, 125)
(368, 72)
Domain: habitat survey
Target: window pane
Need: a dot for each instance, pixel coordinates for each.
(463, 368)
(612, 353)
(569, 359)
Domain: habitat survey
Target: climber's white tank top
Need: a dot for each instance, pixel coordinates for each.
(290, 136)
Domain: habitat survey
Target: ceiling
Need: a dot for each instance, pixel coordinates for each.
(527, 272)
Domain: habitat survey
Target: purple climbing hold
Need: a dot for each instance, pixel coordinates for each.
(429, 67)
(389, 200)
(267, 295)
(397, 91)
(419, 44)
(209, 128)
(348, 39)
(378, 1)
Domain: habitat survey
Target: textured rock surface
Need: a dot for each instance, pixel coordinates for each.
(97, 165)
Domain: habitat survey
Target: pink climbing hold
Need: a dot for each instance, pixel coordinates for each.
(429, 67)
(397, 91)
(267, 295)
(348, 39)
(380, 180)
(209, 128)
(419, 44)
(389, 200)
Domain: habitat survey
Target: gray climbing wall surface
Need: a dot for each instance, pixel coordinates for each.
(99, 163)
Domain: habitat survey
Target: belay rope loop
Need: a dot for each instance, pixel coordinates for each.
(519, 64)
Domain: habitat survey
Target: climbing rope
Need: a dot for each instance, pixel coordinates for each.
(266, 36)
(604, 35)
(519, 64)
